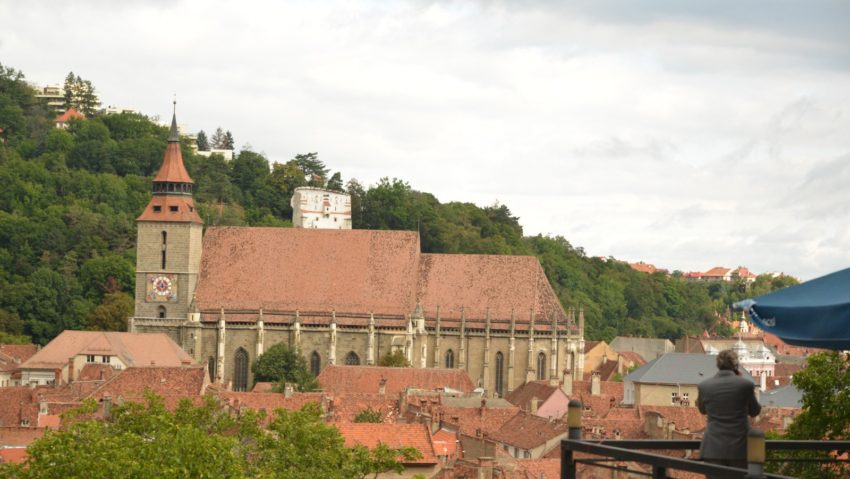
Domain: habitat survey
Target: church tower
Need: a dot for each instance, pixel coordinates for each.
(168, 242)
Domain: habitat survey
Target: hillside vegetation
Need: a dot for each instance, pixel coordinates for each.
(70, 198)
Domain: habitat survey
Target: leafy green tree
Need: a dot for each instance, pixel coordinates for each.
(203, 141)
(314, 169)
(395, 359)
(281, 364)
(112, 313)
(825, 383)
(218, 139)
(369, 415)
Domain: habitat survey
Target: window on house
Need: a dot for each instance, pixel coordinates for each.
(173, 209)
(450, 359)
(674, 397)
(90, 358)
(104, 359)
(526, 454)
(541, 365)
(500, 367)
(161, 312)
(352, 359)
(315, 363)
(157, 208)
(240, 370)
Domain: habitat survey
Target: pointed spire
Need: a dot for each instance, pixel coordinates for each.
(174, 135)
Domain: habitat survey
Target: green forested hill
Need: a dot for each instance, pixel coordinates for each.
(69, 199)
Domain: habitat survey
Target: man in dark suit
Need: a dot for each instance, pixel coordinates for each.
(727, 399)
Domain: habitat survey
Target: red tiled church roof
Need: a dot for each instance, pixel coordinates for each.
(70, 113)
(362, 272)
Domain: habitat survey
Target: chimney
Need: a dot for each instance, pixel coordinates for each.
(71, 370)
(763, 381)
(107, 406)
(288, 390)
(621, 366)
(382, 386)
(426, 420)
(57, 377)
(485, 467)
(595, 385)
(534, 404)
(567, 384)
(42, 405)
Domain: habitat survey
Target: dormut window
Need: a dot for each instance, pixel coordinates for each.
(315, 363)
(450, 359)
(173, 209)
(500, 369)
(240, 370)
(164, 247)
(541, 365)
(352, 359)
(157, 208)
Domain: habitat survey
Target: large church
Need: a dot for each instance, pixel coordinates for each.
(341, 297)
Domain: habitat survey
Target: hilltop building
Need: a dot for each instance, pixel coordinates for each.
(321, 208)
(341, 297)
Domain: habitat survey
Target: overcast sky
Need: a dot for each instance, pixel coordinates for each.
(684, 134)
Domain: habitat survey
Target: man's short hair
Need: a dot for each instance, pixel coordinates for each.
(728, 360)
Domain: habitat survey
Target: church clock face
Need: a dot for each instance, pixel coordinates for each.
(161, 288)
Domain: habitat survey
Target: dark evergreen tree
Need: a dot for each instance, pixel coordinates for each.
(203, 142)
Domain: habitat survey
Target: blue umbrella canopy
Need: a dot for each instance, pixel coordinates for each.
(814, 314)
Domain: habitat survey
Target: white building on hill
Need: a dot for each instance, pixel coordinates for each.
(321, 208)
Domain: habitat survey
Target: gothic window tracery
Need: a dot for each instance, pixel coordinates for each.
(541, 365)
(450, 359)
(315, 363)
(240, 370)
(352, 359)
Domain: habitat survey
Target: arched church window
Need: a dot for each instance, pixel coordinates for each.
(315, 363)
(164, 243)
(352, 359)
(500, 374)
(541, 365)
(240, 370)
(450, 359)
(161, 312)
(211, 368)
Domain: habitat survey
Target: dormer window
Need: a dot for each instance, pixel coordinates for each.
(173, 209)
(157, 208)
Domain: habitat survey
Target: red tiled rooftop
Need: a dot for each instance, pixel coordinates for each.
(393, 435)
(367, 379)
(162, 208)
(527, 431)
(345, 407)
(172, 169)
(472, 421)
(132, 383)
(13, 455)
(522, 396)
(134, 349)
(69, 114)
(292, 269)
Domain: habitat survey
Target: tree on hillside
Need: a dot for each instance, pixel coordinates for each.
(314, 169)
(218, 140)
(229, 144)
(281, 364)
(203, 142)
(80, 94)
(335, 182)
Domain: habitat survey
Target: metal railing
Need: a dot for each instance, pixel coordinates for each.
(607, 453)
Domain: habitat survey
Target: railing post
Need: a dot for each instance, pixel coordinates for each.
(568, 464)
(574, 418)
(755, 454)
